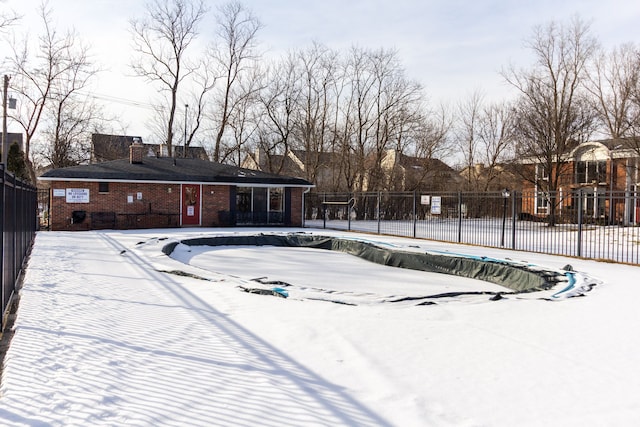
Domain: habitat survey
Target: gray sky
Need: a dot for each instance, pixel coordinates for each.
(452, 47)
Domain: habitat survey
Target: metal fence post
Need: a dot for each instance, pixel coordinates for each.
(349, 211)
(514, 214)
(378, 209)
(324, 210)
(459, 217)
(580, 218)
(415, 213)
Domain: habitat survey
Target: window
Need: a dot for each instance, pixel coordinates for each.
(275, 199)
(103, 187)
(592, 171)
(541, 173)
(542, 203)
(243, 199)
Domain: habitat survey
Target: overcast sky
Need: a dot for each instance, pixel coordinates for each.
(452, 47)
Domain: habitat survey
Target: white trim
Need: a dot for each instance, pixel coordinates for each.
(236, 184)
(594, 147)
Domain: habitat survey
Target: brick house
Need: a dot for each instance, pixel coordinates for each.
(155, 192)
(602, 177)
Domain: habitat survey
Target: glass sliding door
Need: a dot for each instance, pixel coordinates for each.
(275, 206)
(259, 205)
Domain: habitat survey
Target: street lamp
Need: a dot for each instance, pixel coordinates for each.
(505, 198)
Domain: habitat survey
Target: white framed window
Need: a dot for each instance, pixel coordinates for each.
(276, 200)
(542, 174)
(591, 171)
(542, 203)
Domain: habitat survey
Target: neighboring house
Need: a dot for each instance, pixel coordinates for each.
(407, 173)
(273, 163)
(323, 169)
(482, 178)
(397, 172)
(602, 177)
(150, 192)
(114, 147)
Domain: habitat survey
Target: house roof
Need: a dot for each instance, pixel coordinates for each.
(428, 163)
(322, 158)
(621, 143)
(166, 169)
(113, 147)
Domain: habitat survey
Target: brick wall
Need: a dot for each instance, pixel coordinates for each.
(124, 205)
(215, 198)
(296, 207)
(137, 205)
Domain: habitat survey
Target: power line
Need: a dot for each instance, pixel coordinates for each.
(118, 100)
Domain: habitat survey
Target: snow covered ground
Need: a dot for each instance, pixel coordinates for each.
(108, 333)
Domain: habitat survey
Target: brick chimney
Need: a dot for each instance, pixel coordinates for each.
(136, 152)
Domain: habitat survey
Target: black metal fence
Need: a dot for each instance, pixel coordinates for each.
(589, 223)
(18, 224)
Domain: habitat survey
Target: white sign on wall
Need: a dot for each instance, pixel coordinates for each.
(425, 199)
(436, 205)
(77, 195)
(59, 192)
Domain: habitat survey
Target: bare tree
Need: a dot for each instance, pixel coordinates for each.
(7, 18)
(71, 114)
(484, 136)
(497, 144)
(278, 101)
(370, 72)
(615, 85)
(396, 102)
(613, 82)
(432, 136)
(161, 41)
(553, 113)
(373, 111)
(204, 82)
(235, 56)
(429, 140)
(466, 133)
(343, 172)
(59, 68)
(317, 69)
(71, 120)
(246, 118)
